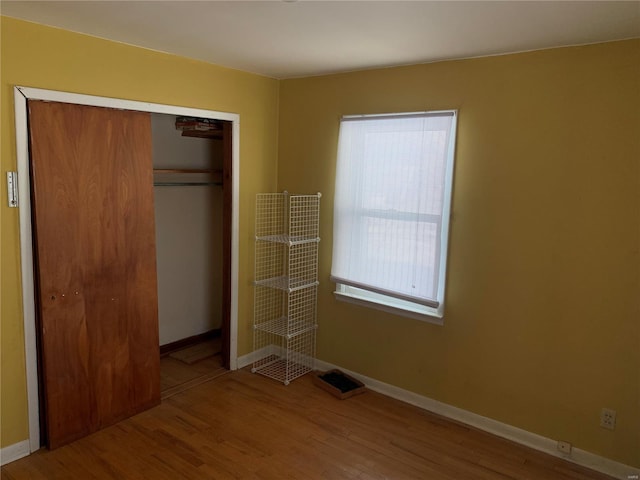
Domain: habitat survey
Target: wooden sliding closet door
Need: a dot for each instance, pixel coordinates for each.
(95, 265)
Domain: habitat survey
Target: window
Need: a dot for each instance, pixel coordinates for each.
(391, 211)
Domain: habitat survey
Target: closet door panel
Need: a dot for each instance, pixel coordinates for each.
(96, 272)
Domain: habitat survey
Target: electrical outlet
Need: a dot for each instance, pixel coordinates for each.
(564, 447)
(608, 418)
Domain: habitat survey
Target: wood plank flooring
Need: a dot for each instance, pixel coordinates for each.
(177, 376)
(245, 426)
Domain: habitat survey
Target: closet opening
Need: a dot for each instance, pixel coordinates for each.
(189, 167)
(219, 171)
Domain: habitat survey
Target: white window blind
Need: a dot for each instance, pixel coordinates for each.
(391, 206)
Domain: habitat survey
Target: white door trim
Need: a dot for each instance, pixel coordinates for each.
(21, 95)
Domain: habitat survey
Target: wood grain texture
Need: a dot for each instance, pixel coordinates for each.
(245, 426)
(96, 268)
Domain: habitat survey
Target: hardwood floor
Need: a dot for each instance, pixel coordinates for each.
(177, 375)
(245, 426)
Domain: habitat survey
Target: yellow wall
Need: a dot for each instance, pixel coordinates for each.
(542, 320)
(38, 56)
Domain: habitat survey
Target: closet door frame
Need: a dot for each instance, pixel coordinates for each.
(21, 95)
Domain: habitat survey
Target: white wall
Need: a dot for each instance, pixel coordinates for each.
(188, 236)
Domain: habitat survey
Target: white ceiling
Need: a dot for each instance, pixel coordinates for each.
(284, 39)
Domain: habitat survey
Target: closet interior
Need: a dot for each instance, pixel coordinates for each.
(188, 161)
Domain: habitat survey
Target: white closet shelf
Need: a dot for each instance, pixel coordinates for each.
(186, 176)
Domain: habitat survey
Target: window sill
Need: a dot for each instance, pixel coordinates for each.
(431, 317)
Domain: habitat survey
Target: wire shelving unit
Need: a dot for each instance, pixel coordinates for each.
(286, 284)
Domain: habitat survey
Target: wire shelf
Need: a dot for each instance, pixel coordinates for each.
(286, 280)
(275, 261)
(284, 327)
(288, 240)
(279, 369)
(285, 283)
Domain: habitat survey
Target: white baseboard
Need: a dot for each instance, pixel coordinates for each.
(14, 452)
(249, 358)
(277, 350)
(518, 435)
